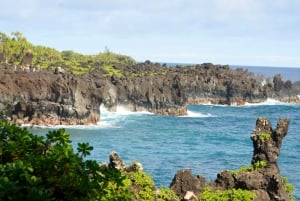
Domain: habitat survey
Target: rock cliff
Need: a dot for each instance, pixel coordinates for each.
(45, 98)
(51, 97)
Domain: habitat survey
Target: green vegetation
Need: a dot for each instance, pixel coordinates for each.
(46, 168)
(14, 48)
(110, 70)
(108, 58)
(232, 194)
(256, 166)
(167, 194)
(144, 186)
(264, 137)
(34, 168)
(288, 187)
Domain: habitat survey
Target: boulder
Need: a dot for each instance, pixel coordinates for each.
(185, 181)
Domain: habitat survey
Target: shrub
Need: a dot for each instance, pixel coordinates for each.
(288, 187)
(37, 168)
(143, 186)
(232, 194)
(256, 166)
(166, 194)
(264, 136)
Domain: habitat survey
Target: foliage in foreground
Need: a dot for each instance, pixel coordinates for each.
(46, 168)
(34, 168)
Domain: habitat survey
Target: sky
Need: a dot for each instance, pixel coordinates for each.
(234, 32)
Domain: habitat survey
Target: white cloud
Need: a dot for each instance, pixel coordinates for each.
(185, 29)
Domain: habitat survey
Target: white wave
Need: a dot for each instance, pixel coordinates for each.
(103, 124)
(269, 101)
(193, 114)
(123, 110)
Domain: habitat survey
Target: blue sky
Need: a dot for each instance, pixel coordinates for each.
(242, 32)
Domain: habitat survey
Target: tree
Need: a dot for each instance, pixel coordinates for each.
(14, 49)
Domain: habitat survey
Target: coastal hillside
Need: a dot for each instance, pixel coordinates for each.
(42, 86)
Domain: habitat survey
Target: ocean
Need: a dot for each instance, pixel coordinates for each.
(211, 138)
(287, 73)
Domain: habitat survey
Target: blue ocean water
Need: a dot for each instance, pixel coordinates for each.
(287, 73)
(211, 138)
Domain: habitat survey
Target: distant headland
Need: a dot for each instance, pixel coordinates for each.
(42, 86)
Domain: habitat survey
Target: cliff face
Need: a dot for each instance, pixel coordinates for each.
(58, 97)
(263, 177)
(47, 98)
(53, 98)
(157, 94)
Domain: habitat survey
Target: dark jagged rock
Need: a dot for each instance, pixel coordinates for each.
(184, 181)
(225, 180)
(43, 98)
(115, 162)
(267, 142)
(265, 181)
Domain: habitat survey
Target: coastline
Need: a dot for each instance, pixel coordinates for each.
(96, 119)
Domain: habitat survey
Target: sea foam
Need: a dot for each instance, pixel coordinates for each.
(193, 114)
(269, 101)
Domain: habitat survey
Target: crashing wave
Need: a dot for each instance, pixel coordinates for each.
(269, 101)
(193, 114)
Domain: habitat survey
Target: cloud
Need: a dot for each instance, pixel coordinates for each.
(183, 29)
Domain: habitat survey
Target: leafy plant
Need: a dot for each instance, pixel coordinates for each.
(232, 194)
(166, 194)
(264, 136)
(259, 165)
(37, 168)
(288, 187)
(254, 167)
(143, 186)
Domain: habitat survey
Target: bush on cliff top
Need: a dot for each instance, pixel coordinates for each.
(13, 49)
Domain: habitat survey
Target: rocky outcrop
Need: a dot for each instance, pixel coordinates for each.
(262, 177)
(48, 97)
(43, 98)
(115, 162)
(184, 181)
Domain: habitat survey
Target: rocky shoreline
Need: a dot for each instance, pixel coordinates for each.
(55, 97)
(262, 178)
